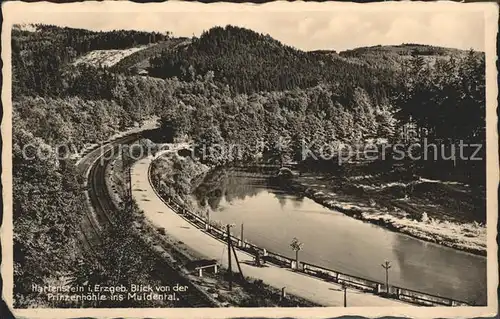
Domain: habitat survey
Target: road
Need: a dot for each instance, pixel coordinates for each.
(310, 288)
(93, 167)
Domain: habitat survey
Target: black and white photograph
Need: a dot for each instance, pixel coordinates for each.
(287, 156)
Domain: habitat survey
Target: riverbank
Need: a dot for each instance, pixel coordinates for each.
(305, 287)
(394, 214)
(440, 212)
(246, 195)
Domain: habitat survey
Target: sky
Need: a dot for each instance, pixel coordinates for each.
(310, 30)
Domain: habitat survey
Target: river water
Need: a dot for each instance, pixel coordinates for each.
(272, 218)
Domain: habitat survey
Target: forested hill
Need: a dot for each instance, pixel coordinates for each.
(41, 53)
(251, 62)
(396, 56)
(241, 61)
(245, 60)
(406, 49)
(79, 41)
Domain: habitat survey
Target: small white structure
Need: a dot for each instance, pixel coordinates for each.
(200, 265)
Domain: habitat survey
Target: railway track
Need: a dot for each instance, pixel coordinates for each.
(93, 221)
(94, 168)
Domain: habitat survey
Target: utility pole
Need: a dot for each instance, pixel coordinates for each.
(344, 287)
(386, 265)
(129, 164)
(242, 239)
(237, 262)
(126, 167)
(229, 258)
(283, 293)
(207, 213)
(130, 182)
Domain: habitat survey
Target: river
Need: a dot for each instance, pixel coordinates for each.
(272, 217)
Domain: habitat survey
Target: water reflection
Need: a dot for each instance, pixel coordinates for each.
(272, 218)
(225, 183)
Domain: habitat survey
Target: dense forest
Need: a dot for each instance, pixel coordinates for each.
(230, 85)
(251, 62)
(39, 58)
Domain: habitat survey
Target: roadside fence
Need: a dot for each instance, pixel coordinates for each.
(367, 285)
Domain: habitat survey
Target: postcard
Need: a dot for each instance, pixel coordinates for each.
(304, 160)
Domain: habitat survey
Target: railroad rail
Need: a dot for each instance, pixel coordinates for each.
(103, 210)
